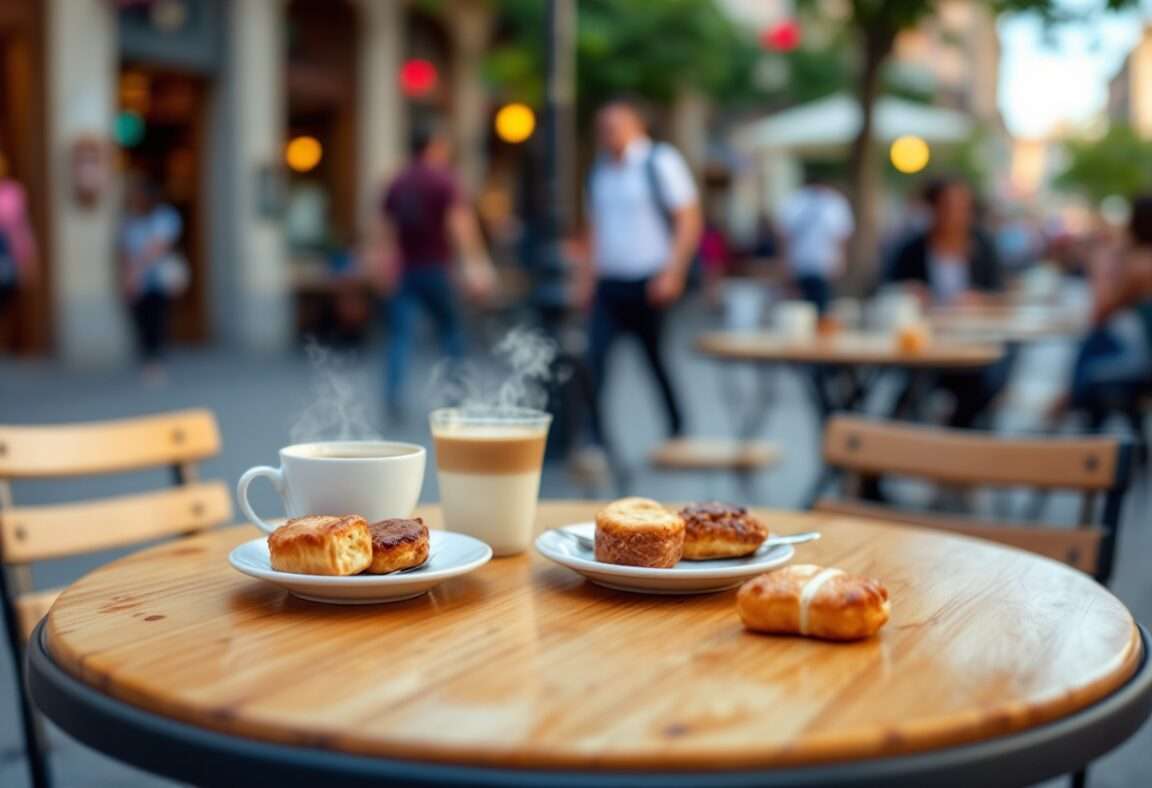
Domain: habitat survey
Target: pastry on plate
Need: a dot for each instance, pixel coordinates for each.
(720, 530)
(321, 545)
(639, 532)
(398, 544)
(821, 602)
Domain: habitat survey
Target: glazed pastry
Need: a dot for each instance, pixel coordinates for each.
(321, 545)
(720, 530)
(639, 532)
(816, 601)
(398, 544)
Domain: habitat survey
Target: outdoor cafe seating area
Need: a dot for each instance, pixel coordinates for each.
(1000, 656)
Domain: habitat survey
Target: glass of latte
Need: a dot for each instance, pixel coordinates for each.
(488, 461)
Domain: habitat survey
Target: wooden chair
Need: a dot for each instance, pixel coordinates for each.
(36, 533)
(1096, 467)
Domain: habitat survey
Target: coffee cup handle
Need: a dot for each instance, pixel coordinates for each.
(274, 475)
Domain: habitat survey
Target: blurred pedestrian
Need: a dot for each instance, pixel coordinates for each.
(645, 224)
(18, 253)
(814, 223)
(427, 224)
(1113, 367)
(153, 272)
(952, 261)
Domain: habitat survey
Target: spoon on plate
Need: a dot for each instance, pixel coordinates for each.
(587, 543)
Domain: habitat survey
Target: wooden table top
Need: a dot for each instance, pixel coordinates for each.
(846, 348)
(523, 663)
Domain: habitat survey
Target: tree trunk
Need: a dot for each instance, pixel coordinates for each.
(863, 166)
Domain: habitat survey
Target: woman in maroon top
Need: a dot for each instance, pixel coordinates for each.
(426, 225)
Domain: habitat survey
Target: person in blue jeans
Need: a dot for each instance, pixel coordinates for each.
(427, 224)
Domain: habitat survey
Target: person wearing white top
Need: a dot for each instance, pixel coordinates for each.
(645, 226)
(815, 223)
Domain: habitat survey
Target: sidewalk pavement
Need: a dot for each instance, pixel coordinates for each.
(258, 400)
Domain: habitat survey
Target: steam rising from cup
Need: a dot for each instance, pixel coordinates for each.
(517, 376)
(340, 406)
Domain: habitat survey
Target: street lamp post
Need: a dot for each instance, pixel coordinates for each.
(551, 269)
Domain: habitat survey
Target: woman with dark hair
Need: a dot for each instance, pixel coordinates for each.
(1113, 367)
(951, 261)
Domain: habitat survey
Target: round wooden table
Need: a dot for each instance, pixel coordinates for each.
(847, 349)
(997, 667)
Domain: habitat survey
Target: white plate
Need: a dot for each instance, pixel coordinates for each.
(452, 554)
(687, 577)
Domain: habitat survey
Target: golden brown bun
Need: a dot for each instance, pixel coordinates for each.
(398, 544)
(839, 606)
(321, 545)
(720, 530)
(639, 532)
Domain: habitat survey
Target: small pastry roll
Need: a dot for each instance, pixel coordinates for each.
(321, 545)
(720, 530)
(639, 532)
(398, 544)
(816, 601)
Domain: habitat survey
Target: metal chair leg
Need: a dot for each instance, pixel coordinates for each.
(35, 741)
(1079, 779)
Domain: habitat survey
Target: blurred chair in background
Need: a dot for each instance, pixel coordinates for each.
(861, 449)
(29, 534)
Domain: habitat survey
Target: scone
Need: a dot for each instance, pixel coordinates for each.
(812, 600)
(720, 530)
(639, 532)
(398, 544)
(322, 545)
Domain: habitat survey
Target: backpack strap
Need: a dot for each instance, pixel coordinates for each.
(656, 187)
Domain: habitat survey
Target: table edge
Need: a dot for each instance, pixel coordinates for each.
(1022, 757)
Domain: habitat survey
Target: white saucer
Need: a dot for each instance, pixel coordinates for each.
(687, 577)
(452, 554)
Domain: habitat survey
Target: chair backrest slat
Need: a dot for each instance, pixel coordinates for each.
(38, 533)
(950, 457)
(107, 447)
(1079, 547)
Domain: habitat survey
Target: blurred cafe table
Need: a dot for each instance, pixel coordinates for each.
(998, 668)
(1008, 323)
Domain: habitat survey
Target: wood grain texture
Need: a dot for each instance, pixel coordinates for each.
(847, 348)
(721, 454)
(524, 663)
(38, 533)
(968, 457)
(1077, 547)
(107, 446)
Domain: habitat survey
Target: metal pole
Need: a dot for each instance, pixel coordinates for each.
(559, 112)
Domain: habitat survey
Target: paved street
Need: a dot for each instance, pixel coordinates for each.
(259, 399)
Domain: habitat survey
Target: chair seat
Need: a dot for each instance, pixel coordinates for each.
(696, 454)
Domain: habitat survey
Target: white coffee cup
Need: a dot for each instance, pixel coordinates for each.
(374, 479)
(796, 320)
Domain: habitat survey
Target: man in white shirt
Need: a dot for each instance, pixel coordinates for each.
(645, 225)
(815, 223)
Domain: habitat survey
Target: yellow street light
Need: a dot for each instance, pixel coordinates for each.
(909, 154)
(515, 122)
(302, 154)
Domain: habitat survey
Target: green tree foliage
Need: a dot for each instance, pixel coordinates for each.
(1119, 163)
(635, 47)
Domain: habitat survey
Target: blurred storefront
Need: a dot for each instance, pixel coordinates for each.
(23, 156)
(270, 125)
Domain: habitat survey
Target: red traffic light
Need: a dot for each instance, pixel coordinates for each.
(418, 77)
